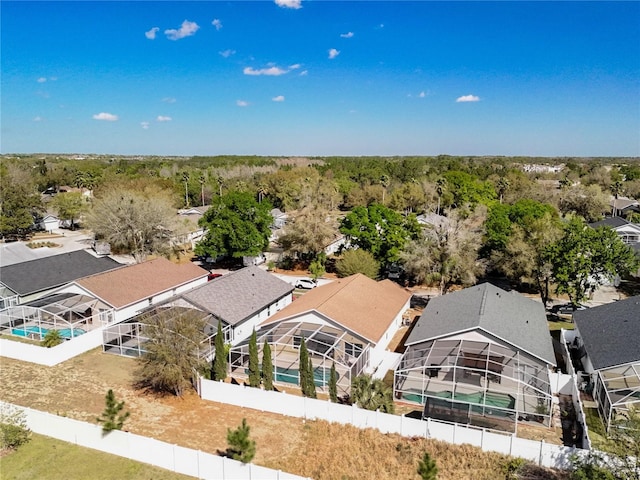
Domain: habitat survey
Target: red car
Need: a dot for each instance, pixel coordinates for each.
(212, 275)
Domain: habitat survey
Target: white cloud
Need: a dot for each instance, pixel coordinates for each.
(151, 34)
(295, 66)
(107, 117)
(295, 4)
(144, 125)
(304, 73)
(279, 98)
(163, 118)
(186, 30)
(242, 103)
(270, 71)
(37, 119)
(227, 53)
(217, 23)
(468, 98)
(422, 95)
(41, 80)
(347, 35)
(333, 53)
(169, 100)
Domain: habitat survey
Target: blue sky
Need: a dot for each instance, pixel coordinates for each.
(321, 78)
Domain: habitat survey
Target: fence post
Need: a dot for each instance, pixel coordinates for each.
(453, 440)
(428, 432)
(540, 456)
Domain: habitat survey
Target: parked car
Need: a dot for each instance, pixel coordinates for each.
(567, 308)
(212, 275)
(305, 284)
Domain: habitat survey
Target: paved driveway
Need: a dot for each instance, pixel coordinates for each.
(68, 241)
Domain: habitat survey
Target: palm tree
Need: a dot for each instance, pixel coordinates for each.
(371, 394)
(503, 185)
(202, 181)
(384, 181)
(185, 179)
(262, 191)
(441, 185)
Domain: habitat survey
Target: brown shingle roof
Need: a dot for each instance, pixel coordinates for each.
(127, 285)
(362, 305)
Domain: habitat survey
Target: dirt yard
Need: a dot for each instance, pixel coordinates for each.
(316, 449)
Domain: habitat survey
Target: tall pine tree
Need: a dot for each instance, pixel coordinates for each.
(219, 370)
(333, 384)
(267, 366)
(304, 367)
(254, 367)
(311, 384)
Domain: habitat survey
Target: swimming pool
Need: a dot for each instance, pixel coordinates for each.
(42, 332)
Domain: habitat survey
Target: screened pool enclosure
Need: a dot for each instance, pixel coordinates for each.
(617, 389)
(327, 345)
(471, 381)
(71, 314)
(129, 338)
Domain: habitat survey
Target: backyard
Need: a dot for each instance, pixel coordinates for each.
(316, 449)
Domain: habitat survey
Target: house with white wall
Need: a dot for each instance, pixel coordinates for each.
(241, 300)
(131, 289)
(348, 323)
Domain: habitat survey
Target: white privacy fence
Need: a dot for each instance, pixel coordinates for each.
(51, 356)
(541, 453)
(144, 449)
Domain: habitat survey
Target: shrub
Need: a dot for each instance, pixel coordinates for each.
(13, 428)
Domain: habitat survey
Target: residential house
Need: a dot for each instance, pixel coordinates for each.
(241, 300)
(628, 232)
(190, 231)
(480, 355)
(48, 223)
(131, 289)
(26, 281)
(623, 206)
(347, 323)
(606, 343)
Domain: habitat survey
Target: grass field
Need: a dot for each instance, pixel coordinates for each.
(315, 449)
(49, 459)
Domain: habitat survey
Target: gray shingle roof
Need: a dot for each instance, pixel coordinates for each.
(611, 332)
(507, 315)
(238, 295)
(49, 272)
(612, 222)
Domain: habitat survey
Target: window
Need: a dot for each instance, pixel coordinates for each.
(353, 349)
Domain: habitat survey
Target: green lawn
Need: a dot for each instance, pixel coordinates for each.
(559, 324)
(49, 459)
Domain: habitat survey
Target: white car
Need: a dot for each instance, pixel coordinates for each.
(305, 283)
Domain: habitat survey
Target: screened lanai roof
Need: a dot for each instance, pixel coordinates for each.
(63, 302)
(322, 339)
(623, 384)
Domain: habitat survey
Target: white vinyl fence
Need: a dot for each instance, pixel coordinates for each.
(541, 453)
(51, 356)
(144, 449)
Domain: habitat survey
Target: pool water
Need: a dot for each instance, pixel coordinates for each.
(42, 332)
